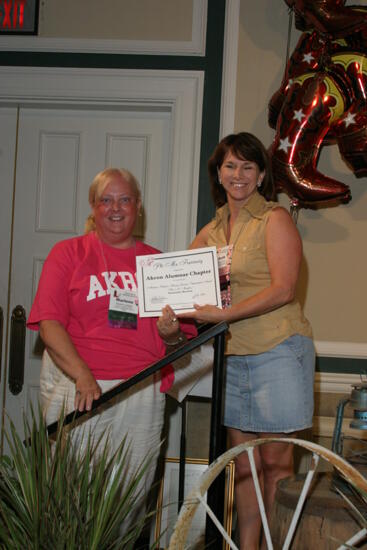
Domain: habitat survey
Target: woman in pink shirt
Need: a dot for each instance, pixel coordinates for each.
(92, 343)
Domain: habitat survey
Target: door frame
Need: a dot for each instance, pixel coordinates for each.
(178, 92)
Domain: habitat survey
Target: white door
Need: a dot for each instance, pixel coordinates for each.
(48, 160)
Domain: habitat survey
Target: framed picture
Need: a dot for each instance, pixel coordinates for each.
(167, 505)
(18, 17)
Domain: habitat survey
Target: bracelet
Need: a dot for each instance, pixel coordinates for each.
(181, 338)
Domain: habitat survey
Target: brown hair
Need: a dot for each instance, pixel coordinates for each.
(99, 184)
(245, 146)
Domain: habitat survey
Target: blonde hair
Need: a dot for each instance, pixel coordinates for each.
(99, 184)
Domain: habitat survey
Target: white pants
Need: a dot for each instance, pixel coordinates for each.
(137, 413)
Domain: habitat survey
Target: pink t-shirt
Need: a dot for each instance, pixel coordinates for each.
(74, 289)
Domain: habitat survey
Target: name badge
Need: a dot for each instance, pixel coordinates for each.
(224, 256)
(123, 309)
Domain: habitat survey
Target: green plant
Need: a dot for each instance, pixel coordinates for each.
(52, 495)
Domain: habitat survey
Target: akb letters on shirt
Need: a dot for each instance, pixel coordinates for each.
(112, 280)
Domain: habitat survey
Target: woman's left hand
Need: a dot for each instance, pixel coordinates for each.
(168, 325)
(205, 314)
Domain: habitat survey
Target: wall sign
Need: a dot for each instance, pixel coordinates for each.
(18, 16)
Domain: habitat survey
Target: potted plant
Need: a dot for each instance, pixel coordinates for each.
(52, 495)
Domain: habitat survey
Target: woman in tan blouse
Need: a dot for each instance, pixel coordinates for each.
(269, 351)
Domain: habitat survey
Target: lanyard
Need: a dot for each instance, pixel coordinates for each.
(123, 306)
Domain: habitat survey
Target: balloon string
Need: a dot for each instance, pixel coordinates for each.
(294, 210)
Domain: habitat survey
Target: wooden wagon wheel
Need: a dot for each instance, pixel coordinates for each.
(196, 496)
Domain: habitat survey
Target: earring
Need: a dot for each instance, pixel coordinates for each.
(259, 183)
(218, 176)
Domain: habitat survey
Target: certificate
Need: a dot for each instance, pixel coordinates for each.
(179, 279)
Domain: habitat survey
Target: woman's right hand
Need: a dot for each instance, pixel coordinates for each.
(64, 354)
(86, 390)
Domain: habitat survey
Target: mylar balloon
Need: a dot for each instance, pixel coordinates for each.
(322, 99)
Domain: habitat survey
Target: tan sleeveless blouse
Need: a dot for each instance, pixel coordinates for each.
(249, 275)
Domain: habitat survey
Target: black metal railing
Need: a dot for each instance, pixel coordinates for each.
(215, 496)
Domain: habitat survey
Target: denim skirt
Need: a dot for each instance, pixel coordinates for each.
(272, 391)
